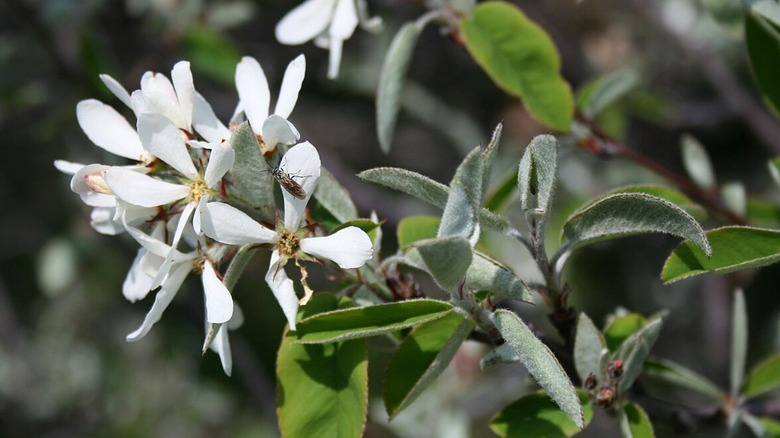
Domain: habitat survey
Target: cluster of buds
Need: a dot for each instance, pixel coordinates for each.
(605, 394)
(174, 195)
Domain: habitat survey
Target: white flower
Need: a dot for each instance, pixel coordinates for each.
(349, 248)
(255, 101)
(328, 22)
(163, 138)
(87, 181)
(219, 303)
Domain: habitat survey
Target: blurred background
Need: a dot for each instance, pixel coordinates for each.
(65, 368)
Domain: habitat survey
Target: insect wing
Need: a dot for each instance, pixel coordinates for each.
(288, 183)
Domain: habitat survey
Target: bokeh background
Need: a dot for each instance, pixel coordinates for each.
(65, 368)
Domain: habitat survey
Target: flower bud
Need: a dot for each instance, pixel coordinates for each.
(590, 382)
(606, 397)
(615, 369)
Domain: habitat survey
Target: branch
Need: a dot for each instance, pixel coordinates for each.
(607, 145)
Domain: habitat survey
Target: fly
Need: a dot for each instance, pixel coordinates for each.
(288, 183)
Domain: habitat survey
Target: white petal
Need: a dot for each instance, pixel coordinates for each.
(67, 167)
(162, 299)
(165, 141)
(206, 122)
(291, 85)
(196, 218)
(143, 190)
(220, 162)
(219, 303)
(334, 58)
(116, 89)
(345, 20)
(227, 224)
(137, 284)
(102, 221)
(133, 215)
(197, 144)
(305, 22)
(79, 186)
(221, 345)
(157, 247)
(169, 258)
(108, 129)
(185, 89)
(277, 130)
(282, 288)
(349, 247)
(302, 162)
(140, 104)
(253, 91)
(161, 96)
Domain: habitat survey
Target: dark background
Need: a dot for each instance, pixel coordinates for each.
(65, 369)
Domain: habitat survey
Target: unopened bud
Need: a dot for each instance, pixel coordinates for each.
(96, 183)
(590, 382)
(606, 397)
(615, 369)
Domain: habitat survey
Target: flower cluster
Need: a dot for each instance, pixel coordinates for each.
(329, 23)
(175, 197)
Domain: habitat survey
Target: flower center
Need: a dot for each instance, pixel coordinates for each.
(288, 244)
(198, 264)
(197, 189)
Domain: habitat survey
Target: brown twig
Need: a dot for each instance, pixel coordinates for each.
(607, 145)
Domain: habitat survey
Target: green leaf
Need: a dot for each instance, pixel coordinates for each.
(541, 364)
(603, 91)
(414, 228)
(521, 59)
(768, 10)
(634, 422)
(697, 162)
(620, 328)
(488, 154)
(322, 390)
(366, 225)
(211, 54)
(488, 274)
(361, 322)
(334, 197)
(733, 249)
(251, 174)
(763, 47)
(536, 415)
(635, 350)
(762, 213)
(739, 339)
(589, 347)
(447, 259)
(501, 355)
(391, 81)
(425, 189)
(461, 213)
(771, 426)
(763, 378)
(627, 214)
(658, 370)
(537, 174)
(669, 194)
(421, 358)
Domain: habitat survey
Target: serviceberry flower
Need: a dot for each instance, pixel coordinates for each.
(349, 247)
(219, 305)
(255, 101)
(328, 22)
